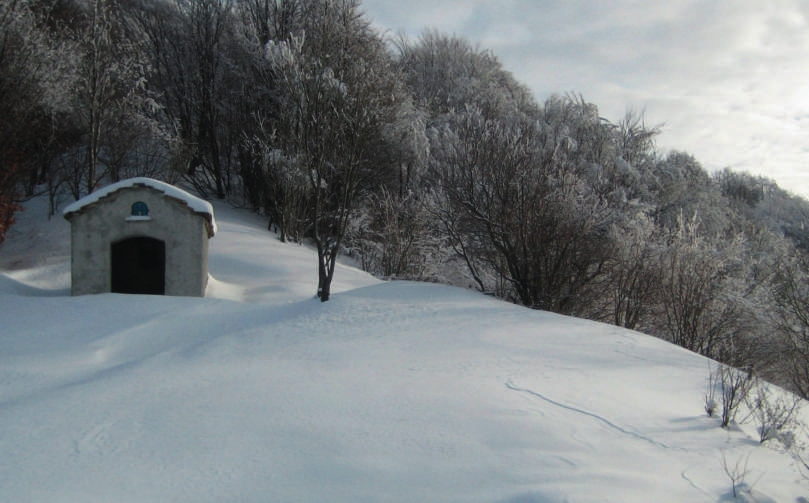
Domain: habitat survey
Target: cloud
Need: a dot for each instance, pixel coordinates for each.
(729, 79)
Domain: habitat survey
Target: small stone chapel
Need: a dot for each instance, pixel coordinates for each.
(140, 236)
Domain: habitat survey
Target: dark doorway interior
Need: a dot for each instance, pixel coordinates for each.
(139, 266)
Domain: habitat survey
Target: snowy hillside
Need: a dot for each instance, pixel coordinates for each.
(390, 392)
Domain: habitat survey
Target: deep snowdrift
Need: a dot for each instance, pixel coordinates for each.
(395, 392)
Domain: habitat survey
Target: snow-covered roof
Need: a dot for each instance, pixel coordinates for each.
(196, 204)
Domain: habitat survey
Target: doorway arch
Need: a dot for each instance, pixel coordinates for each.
(139, 266)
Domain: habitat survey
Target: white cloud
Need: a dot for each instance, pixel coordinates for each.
(730, 79)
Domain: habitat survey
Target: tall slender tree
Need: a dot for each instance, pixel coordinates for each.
(337, 93)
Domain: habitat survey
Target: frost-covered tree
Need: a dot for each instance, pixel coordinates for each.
(742, 188)
(111, 99)
(792, 300)
(517, 206)
(35, 79)
(629, 287)
(783, 212)
(267, 20)
(186, 43)
(282, 186)
(447, 73)
(684, 189)
(18, 100)
(336, 92)
(623, 171)
(389, 235)
(698, 305)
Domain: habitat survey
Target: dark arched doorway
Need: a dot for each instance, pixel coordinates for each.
(139, 266)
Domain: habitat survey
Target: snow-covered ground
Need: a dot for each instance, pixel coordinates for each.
(390, 392)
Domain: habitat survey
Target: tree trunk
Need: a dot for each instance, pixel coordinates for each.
(326, 260)
(323, 276)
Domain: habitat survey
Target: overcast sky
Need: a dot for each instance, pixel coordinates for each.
(728, 78)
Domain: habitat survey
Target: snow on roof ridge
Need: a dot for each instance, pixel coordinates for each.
(196, 204)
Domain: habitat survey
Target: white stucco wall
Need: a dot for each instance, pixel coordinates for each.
(96, 226)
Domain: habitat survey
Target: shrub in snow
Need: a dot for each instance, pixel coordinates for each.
(737, 473)
(775, 415)
(711, 386)
(733, 387)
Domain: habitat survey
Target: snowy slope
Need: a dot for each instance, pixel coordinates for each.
(390, 392)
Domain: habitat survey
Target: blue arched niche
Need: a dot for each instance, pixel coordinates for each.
(140, 209)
